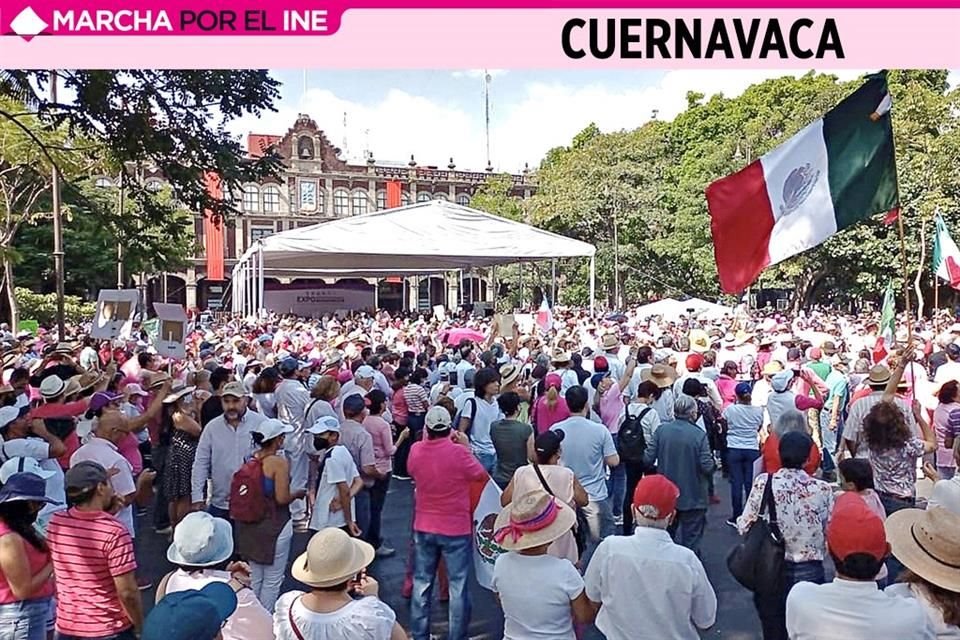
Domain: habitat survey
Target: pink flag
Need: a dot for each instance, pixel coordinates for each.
(545, 317)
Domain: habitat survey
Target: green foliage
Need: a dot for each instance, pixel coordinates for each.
(494, 197)
(43, 307)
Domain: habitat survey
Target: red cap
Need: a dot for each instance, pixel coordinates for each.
(655, 497)
(694, 362)
(854, 528)
(816, 353)
(600, 364)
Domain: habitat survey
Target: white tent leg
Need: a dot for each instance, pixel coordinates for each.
(260, 279)
(593, 282)
(493, 281)
(553, 282)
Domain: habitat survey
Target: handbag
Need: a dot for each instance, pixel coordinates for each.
(581, 528)
(757, 562)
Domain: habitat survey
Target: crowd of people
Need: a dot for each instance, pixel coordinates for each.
(609, 440)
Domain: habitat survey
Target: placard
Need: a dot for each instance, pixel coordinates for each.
(114, 316)
(439, 312)
(170, 341)
(505, 322)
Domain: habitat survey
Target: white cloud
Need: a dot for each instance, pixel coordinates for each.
(522, 131)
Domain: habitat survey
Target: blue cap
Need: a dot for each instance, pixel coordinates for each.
(191, 615)
(266, 337)
(743, 389)
(25, 487)
(289, 365)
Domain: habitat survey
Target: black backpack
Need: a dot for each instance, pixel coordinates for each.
(631, 443)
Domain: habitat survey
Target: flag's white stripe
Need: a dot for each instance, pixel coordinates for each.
(798, 187)
(947, 248)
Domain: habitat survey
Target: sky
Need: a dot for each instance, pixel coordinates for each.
(438, 115)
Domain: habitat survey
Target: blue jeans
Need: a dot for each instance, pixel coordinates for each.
(772, 607)
(617, 484)
(361, 506)
(24, 620)
(123, 635)
(828, 438)
(457, 553)
(600, 526)
(740, 462)
(687, 528)
(487, 460)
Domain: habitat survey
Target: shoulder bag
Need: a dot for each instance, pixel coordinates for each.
(581, 528)
(758, 561)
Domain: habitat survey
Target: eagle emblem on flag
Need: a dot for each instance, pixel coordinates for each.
(797, 188)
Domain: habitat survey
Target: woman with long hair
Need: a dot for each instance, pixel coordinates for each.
(949, 397)
(893, 451)
(324, 394)
(400, 415)
(263, 388)
(266, 544)
(181, 424)
(26, 572)
(550, 408)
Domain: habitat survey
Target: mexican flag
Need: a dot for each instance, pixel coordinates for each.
(946, 256)
(544, 317)
(887, 326)
(837, 171)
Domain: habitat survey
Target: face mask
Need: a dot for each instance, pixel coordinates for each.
(320, 443)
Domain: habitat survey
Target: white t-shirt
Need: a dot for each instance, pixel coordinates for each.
(364, 619)
(486, 414)
(39, 450)
(542, 613)
(106, 454)
(339, 467)
(568, 378)
(89, 359)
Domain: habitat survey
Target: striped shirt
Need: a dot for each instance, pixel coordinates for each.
(418, 401)
(89, 549)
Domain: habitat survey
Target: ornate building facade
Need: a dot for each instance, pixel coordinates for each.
(315, 186)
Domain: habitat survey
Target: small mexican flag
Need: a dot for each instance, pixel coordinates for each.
(888, 327)
(834, 173)
(545, 317)
(946, 256)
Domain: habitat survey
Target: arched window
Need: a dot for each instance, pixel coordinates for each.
(359, 202)
(441, 196)
(463, 200)
(424, 196)
(404, 198)
(251, 198)
(104, 183)
(341, 203)
(271, 199)
(381, 200)
(322, 201)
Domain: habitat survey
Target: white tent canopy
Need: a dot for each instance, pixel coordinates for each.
(423, 238)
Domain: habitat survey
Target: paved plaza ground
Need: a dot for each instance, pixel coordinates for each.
(736, 617)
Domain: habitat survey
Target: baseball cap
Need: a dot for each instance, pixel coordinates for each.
(84, 476)
(135, 389)
(366, 372)
(10, 413)
(854, 528)
(20, 464)
(694, 362)
(600, 364)
(234, 389)
(354, 404)
(655, 497)
(324, 424)
(743, 389)
(548, 442)
(191, 614)
(101, 399)
(953, 350)
(438, 419)
(271, 428)
(288, 365)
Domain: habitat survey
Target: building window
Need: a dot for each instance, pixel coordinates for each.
(405, 199)
(359, 202)
(251, 198)
(321, 201)
(381, 200)
(259, 233)
(424, 196)
(154, 186)
(341, 203)
(463, 200)
(271, 199)
(104, 183)
(441, 196)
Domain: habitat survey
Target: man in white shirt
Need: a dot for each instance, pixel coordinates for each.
(339, 480)
(292, 400)
(694, 364)
(644, 586)
(950, 370)
(102, 449)
(852, 607)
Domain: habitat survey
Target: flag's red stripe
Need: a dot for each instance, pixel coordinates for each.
(213, 232)
(741, 221)
(891, 216)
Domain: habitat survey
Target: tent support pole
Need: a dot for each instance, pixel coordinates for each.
(403, 295)
(462, 292)
(521, 287)
(260, 284)
(553, 282)
(493, 282)
(593, 282)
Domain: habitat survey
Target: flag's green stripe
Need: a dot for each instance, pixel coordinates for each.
(862, 168)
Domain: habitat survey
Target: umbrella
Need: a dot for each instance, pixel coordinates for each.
(456, 336)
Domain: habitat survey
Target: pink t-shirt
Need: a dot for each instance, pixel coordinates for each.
(36, 560)
(443, 472)
(545, 417)
(383, 447)
(129, 448)
(611, 408)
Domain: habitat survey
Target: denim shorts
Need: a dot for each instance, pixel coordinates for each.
(25, 620)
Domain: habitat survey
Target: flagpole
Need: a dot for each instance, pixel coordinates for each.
(906, 278)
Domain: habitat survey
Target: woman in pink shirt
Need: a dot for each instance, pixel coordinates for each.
(383, 450)
(550, 408)
(727, 383)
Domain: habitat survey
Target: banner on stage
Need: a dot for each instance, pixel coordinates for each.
(170, 338)
(114, 317)
(313, 302)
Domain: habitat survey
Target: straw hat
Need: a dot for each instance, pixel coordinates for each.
(879, 375)
(509, 373)
(88, 380)
(928, 543)
(699, 341)
(772, 368)
(660, 375)
(535, 518)
(332, 557)
(177, 393)
(609, 341)
(560, 356)
(157, 380)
